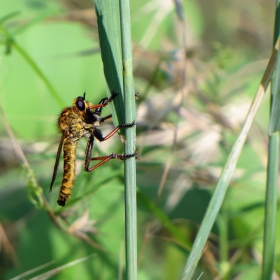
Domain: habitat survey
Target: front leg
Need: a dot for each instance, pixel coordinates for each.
(103, 102)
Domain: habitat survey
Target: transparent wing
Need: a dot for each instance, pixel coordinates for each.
(57, 160)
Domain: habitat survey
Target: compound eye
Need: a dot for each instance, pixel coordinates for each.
(80, 103)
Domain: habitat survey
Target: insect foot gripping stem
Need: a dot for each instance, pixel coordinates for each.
(127, 124)
(124, 157)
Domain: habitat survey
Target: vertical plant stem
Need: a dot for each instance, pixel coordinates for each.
(270, 207)
(129, 166)
(223, 242)
(115, 43)
(272, 168)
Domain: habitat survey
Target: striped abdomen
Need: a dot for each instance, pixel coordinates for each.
(70, 147)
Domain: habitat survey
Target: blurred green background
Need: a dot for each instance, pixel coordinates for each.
(196, 78)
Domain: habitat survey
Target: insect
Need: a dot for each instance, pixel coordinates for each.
(76, 122)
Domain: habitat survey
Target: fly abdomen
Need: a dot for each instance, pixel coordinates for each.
(70, 147)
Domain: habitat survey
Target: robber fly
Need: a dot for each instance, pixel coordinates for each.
(76, 122)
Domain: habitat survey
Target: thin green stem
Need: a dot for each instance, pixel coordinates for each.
(129, 166)
(115, 44)
(270, 207)
(272, 167)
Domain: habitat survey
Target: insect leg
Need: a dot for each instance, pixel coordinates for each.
(103, 102)
(105, 118)
(106, 100)
(99, 136)
(104, 159)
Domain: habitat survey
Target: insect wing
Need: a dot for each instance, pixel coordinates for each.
(57, 160)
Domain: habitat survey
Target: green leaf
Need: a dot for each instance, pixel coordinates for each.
(115, 43)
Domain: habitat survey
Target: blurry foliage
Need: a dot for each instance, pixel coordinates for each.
(186, 127)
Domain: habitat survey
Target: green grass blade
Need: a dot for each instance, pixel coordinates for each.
(115, 43)
(270, 207)
(130, 165)
(55, 271)
(108, 20)
(272, 168)
(274, 124)
(221, 188)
